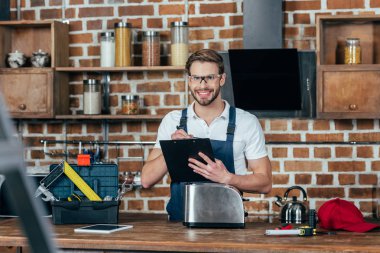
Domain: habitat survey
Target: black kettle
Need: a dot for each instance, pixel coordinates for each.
(293, 211)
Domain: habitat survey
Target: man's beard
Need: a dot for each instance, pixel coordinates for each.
(203, 101)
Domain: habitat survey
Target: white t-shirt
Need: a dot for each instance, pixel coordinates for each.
(249, 142)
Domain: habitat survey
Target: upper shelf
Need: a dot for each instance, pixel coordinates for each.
(111, 117)
(120, 69)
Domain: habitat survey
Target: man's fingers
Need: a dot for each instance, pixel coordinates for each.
(206, 158)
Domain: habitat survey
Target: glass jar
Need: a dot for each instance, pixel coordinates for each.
(179, 43)
(107, 49)
(130, 104)
(352, 51)
(123, 44)
(92, 97)
(151, 48)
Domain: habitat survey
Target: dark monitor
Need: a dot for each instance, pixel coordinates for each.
(265, 79)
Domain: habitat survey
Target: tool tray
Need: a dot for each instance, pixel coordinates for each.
(103, 179)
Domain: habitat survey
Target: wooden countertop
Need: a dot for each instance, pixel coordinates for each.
(155, 233)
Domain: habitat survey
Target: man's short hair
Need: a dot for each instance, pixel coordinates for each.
(206, 55)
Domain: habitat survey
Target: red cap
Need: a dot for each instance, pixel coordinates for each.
(341, 214)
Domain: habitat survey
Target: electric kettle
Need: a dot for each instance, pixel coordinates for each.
(293, 211)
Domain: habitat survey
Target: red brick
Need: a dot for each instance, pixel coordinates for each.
(120, 88)
(95, 12)
(302, 44)
(300, 125)
(37, 3)
(136, 10)
(343, 152)
(74, 2)
(302, 179)
(156, 205)
(155, 192)
(94, 128)
(364, 136)
(154, 23)
(115, 127)
(89, 63)
(35, 128)
(172, 99)
(74, 128)
(275, 191)
(291, 32)
(301, 153)
(346, 179)
(134, 127)
(51, 14)
(94, 24)
(365, 124)
(93, 51)
(309, 31)
(325, 192)
(345, 4)
(153, 87)
(54, 128)
(201, 34)
(322, 152)
(301, 18)
(324, 137)
(346, 166)
(368, 206)
(360, 193)
(278, 125)
(302, 5)
(96, 1)
(217, 8)
(368, 179)
(28, 15)
(171, 9)
(320, 125)
(282, 137)
(207, 21)
(152, 100)
(257, 206)
(280, 179)
(374, 3)
(75, 26)
(80, 38)
(275, 165)
(218, 46)
(302, 166)
(236, 20)
(324, 179)
(135, 205)
(375, 166)
(343, 125)
(279, 152)
(155, 75)
(37, 154)
(364, 152)
(152, 126)
(231, 33)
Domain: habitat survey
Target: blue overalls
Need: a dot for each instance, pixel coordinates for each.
(223, 150)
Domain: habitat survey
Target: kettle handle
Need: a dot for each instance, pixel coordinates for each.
(296, 187)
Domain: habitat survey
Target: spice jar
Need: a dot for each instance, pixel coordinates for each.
(123, 44)
(179, 43)
(352, 51)
(130, 104)
(151, 48)
(92, 96)
(107, 49)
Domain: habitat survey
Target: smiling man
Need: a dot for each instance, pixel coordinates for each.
(236, 136)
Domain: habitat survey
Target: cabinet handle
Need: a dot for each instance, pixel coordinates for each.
(22, 107)
(353, 107)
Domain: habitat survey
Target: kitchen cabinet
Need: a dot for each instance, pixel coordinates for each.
(348, 91)
(34, 92)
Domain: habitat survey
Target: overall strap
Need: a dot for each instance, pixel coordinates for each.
(183, 121)
(231, 124)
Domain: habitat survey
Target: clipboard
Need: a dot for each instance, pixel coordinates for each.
(176, 154)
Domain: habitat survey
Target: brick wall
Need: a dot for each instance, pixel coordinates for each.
(325, 171)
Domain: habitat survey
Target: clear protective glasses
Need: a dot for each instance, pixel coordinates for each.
(198, 79)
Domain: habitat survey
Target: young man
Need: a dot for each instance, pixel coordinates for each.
(236, 136)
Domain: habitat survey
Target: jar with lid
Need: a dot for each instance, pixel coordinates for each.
(92, 97)
(107, 49)
(151, 48)
(179, 43)
(123, 44)
(130, 104)
(352, 51)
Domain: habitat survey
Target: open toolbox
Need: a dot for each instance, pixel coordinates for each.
(103, 180)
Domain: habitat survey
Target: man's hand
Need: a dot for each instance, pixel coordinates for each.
(181, 134)
(214, 171)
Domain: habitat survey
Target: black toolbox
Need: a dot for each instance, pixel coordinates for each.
(103, 179)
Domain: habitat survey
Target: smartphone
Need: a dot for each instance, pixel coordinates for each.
(102, 228)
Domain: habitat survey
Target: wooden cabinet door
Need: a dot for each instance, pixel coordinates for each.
(28, 93)
(349, 94)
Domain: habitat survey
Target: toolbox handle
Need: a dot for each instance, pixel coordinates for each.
(72, 205)
(98, 205)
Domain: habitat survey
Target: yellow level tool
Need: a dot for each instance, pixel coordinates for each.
(80, 183)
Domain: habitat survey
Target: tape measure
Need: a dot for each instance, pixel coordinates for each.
(80, 183)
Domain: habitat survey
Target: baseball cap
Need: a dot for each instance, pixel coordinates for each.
(341, 214)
